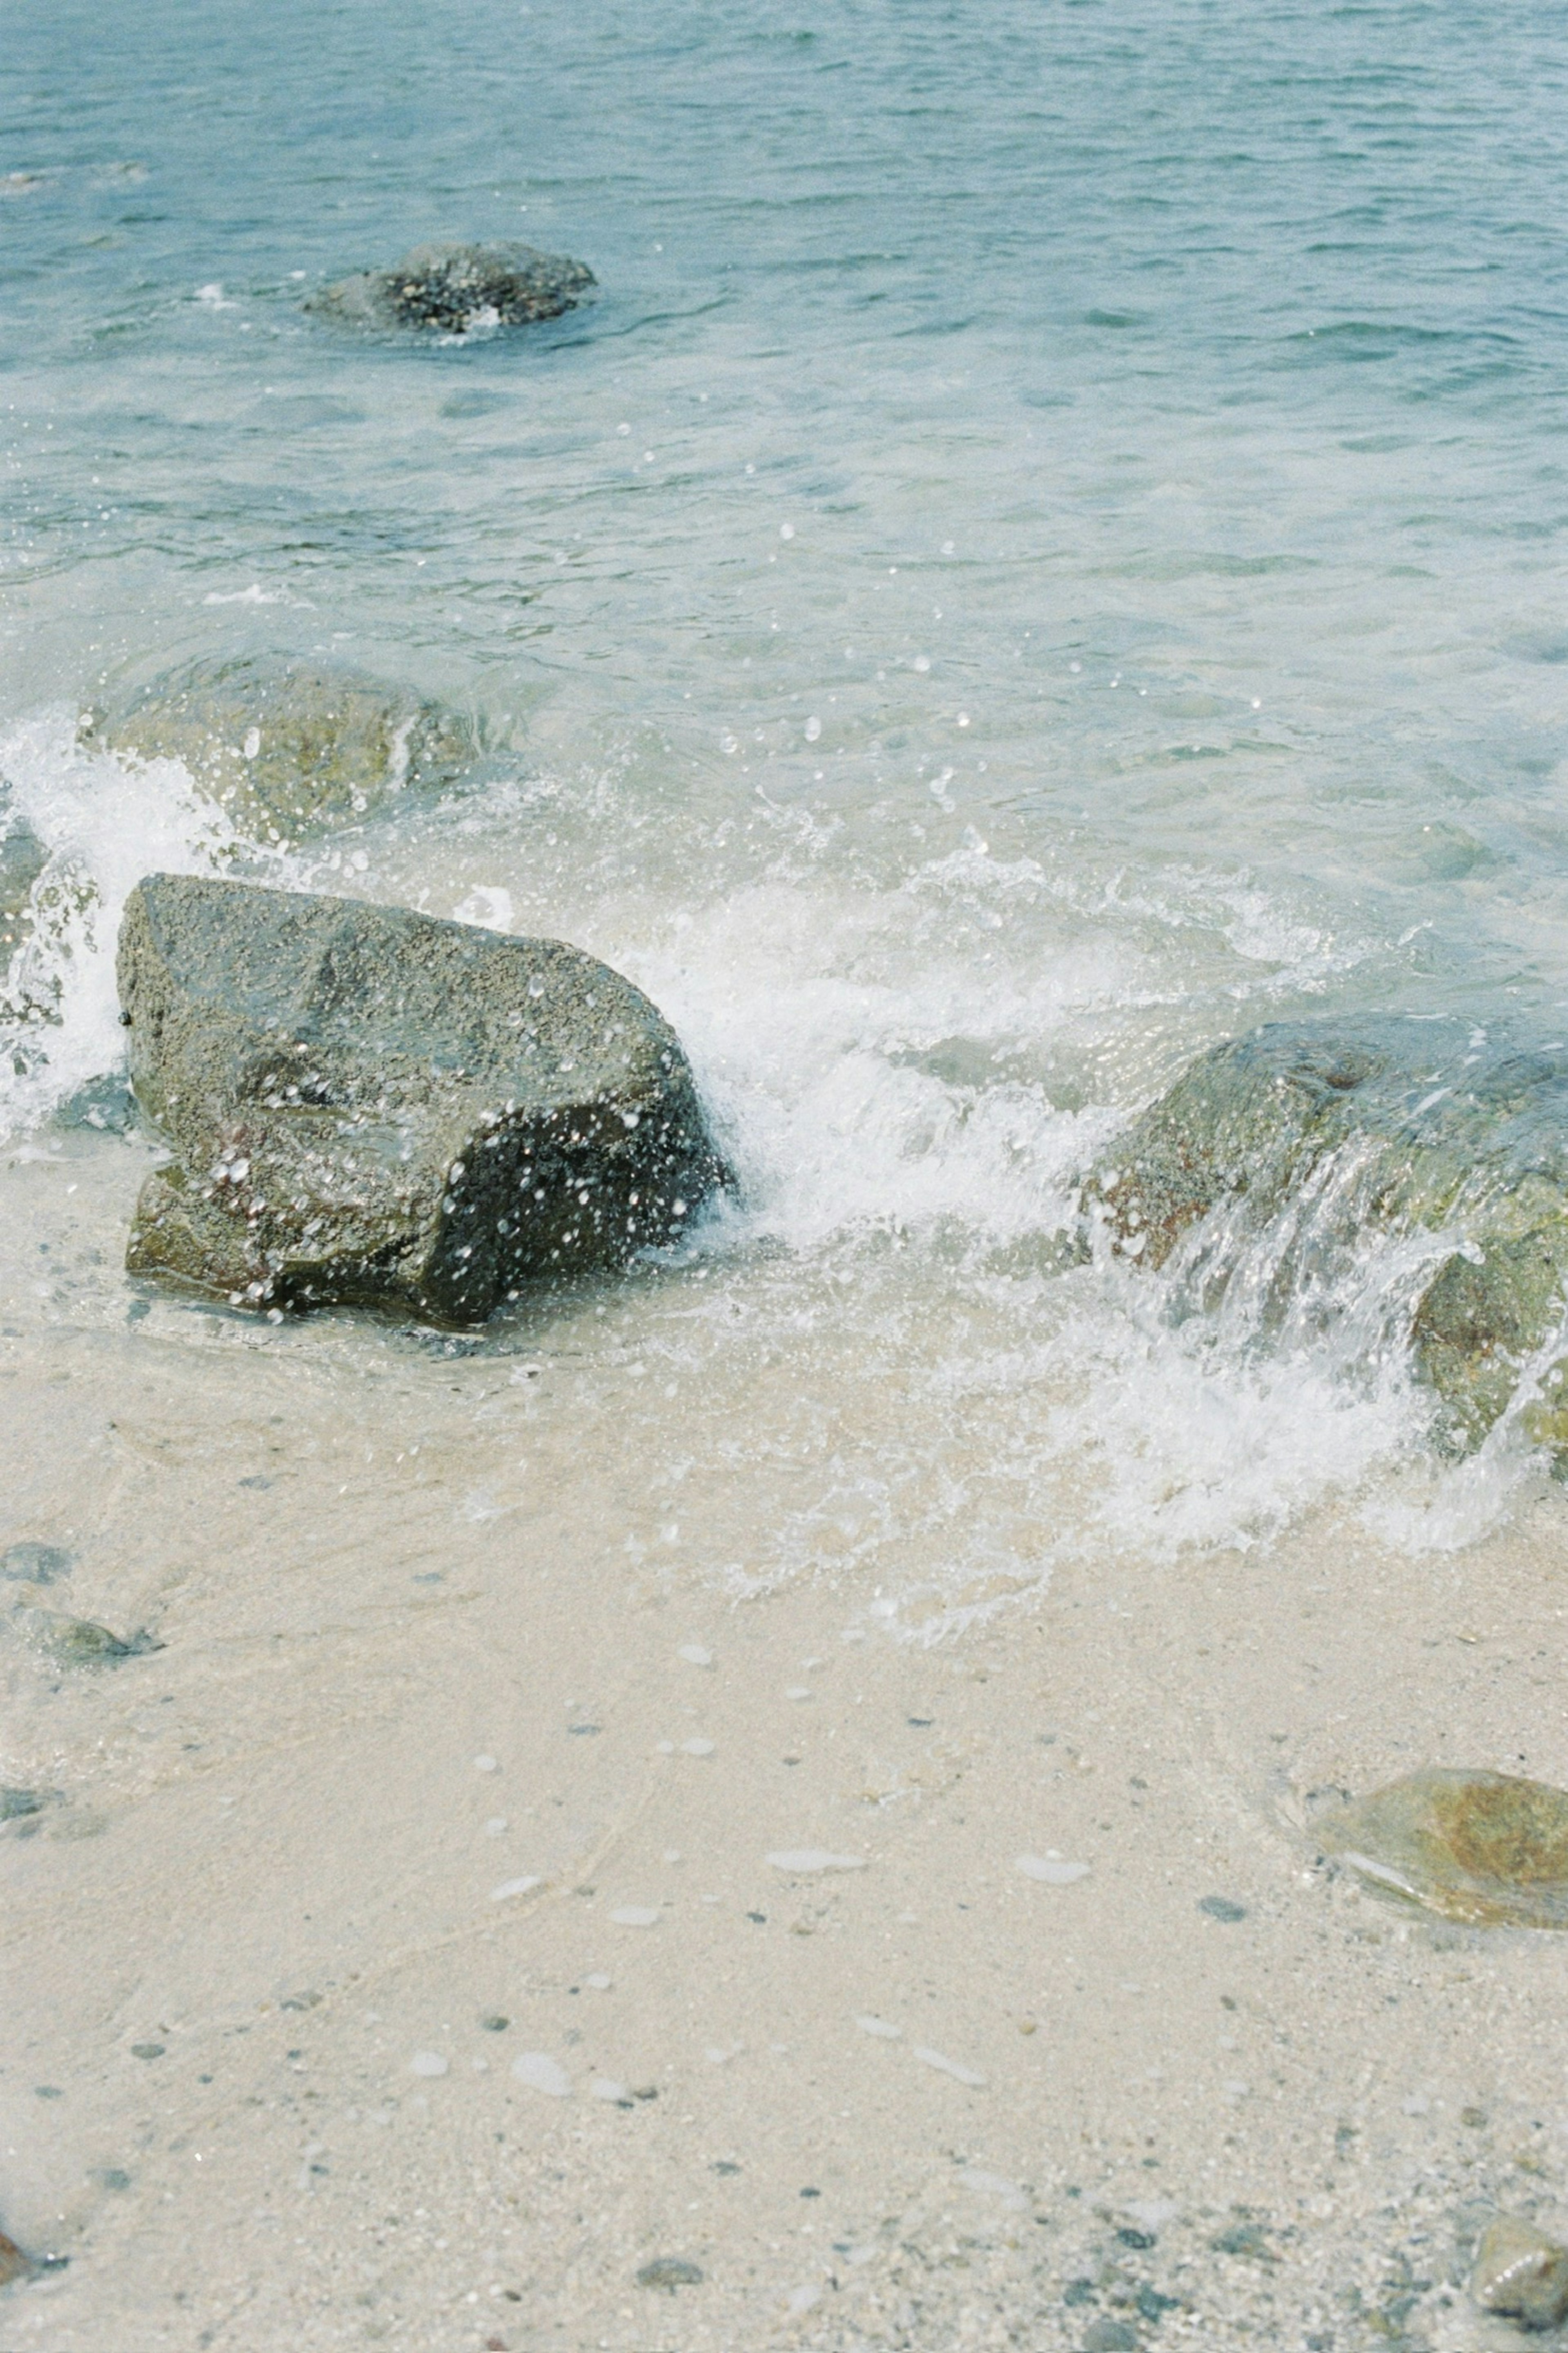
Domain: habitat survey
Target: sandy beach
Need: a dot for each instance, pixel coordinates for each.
(469, 1906)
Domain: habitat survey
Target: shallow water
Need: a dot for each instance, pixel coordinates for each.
(1045, 553)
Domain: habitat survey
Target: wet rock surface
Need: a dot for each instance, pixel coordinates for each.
(371, 1105)
(78, 1641)
(22, 859)
(1522, 2272)
(287, 748)
(455, 290)
(1488, 1849)
(1426, 1128)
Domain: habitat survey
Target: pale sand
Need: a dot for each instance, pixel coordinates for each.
(272, 1858)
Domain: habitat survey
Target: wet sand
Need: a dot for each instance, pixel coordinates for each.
(255, 2086)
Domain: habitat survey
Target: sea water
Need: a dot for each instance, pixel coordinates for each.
(1045, 551)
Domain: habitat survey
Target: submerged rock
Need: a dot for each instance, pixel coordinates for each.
(287, 746)
(1491, 1849)
(35, 1564)
(1322, 1131)
(1522, 2272)
(78, 1641)
(671, 2272)
(456, 288)
(372, 1105)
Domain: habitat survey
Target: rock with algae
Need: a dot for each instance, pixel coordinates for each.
(78, 1641)
(371, 1105)
(1522, 2272)
(1489, 1849)
(456, 289)
(287, 747)
(1320, 1131)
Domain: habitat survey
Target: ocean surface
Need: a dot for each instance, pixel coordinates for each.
(1046, 552)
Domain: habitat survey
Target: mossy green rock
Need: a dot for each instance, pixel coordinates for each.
(372, 1105)
(289, 747)
(1491, 1849)
(1419, 1127)
(456, 289)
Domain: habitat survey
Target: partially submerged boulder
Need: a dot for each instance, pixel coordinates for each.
(1418, 1127)
(372, 1105)
(456, 289)
(287, 746)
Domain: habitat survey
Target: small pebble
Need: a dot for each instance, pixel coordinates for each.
(605, 2087)
(698, 1748)
(541, 2072)
(1220, 1907)
(515, 1887)
(148, 2050)
(1522, 2273)
(598, 1980)
(636, 1916)
(814, 1858)
(797, 1691)
(496, 1826)
(1052, 1869)
(880, 2026)
(950, 2067)
(695, 1655)
(671, 2272)
(486, 1765)
(427, 2063)
(495, 2023)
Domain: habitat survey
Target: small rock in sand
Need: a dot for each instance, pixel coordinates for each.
(1522, 2273)
(541, 2072)
(1051, 1870)
(77, 1641)
(524, 1886)
(1220, 1907)
(945, 2066)
(695, 1655)
(636, 1916)
(427, 2063)
(671, 2272)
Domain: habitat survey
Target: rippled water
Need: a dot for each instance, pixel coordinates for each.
(1045, 553)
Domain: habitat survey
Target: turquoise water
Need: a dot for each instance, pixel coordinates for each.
(1047, 550)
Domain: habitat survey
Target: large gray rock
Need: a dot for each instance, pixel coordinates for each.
(1322, 1131)
(455, 289)
(287, 746)
(369, 1105)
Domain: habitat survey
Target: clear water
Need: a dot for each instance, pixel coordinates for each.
(1047, 551)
